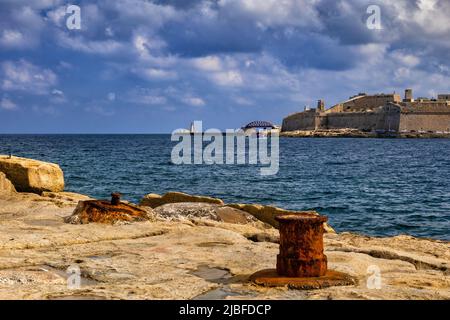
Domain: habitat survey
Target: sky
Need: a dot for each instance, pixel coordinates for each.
(153, 66)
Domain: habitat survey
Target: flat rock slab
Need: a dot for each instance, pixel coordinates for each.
(266, 214)
(156, 200)
(179, 260)
(195, 210)
(104, 212)
(270, 278)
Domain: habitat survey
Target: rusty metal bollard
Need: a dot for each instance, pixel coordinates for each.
(301, 263)
(301, 246)
(115, 198)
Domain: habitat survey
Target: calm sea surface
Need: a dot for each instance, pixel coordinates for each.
(370, 186)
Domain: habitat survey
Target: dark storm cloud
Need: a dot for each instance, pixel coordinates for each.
(325, 44)
(346, 23)
(300, 50)
(182, 4)
(200, 38)
(202, 58)
(320, 34)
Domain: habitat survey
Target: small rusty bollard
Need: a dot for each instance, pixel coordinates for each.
(301, 246)
(115, 198)
(301, 263)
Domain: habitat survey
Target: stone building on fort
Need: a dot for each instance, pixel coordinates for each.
(377, 113)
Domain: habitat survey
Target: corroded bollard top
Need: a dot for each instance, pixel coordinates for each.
(301, 263)
(301, 245)
(301, 217)
(115, 198)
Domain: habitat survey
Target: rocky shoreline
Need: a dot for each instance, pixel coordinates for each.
(353, 133)
(191, 247)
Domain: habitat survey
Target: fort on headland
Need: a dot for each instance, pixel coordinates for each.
(374, 115)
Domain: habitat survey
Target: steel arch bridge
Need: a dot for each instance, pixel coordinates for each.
(259, 124)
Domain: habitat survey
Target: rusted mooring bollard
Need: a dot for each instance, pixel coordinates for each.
(115, 198)
(301, 262)
(108, 211)
(301, 246)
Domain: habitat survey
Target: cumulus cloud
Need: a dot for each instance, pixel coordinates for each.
(273, 13)
(194, 101)
(323, 34)
(405, 59)
(145, 96)
(7, 104)
(243, 101)
(12, 38)
(228, 78)
(57, 16)
(24, 76)
(208, 63)
(57, 97)
(35, 4)
(111, 96)
(100, 110)
(79, 43)
(152, 14)
(21, 26)
(164, 97)
(157, 74)
(237, 52)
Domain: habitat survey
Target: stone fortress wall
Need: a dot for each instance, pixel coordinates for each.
(380, 112)
(363, 102)
(425, 115)
(304, 120)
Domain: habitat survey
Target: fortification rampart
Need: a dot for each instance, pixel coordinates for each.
(429, 116)
(377, 113)
(305, 120)
(418, 122)
(364, 121)
(365, 102)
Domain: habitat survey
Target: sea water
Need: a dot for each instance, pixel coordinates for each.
(376, 187)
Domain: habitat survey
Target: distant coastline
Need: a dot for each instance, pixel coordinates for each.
(353, 133)
(374, 116)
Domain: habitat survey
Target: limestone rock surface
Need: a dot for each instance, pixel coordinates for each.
(263, 213)
(5, 185)
(28, 175)
(178, 260)
(193, 211)
(154, 200)
(267, 214)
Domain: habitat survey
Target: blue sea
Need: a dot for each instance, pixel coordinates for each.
(379, 187)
